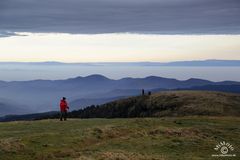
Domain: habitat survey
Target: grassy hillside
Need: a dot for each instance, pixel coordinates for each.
(161, 104)
(169, 103)
(118, 139)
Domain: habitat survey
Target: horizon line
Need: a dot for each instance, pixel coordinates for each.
(62, 62)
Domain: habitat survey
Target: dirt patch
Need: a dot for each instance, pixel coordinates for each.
(109, 132)
(11, 145)
(65, 153)
(122, 155)
(58, 154)
(84, 158)
(96, 136)
(178, 132)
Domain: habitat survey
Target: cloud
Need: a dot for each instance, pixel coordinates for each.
(112, 16)
(8, 34)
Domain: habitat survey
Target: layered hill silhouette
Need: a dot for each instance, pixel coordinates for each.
(44, 95)
(7, 106)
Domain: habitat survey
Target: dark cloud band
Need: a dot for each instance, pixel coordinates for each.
(111, 16)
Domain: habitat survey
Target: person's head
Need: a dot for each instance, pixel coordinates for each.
(64, 98)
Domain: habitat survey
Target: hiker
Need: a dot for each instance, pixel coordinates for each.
(63, 108)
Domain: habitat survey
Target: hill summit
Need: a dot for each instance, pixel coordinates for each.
(167, 103)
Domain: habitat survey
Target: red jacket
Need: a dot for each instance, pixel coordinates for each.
(63, 106)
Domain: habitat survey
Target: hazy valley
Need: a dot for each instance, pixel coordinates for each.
(44, 95)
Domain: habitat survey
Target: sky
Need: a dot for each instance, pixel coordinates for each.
(112, 30)
(118, 47)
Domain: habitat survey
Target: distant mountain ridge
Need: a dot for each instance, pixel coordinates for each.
(199, 63)
(44, 95)
(97, 82)
(221, 88)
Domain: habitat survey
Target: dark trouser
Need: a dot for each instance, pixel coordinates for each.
(63, 115)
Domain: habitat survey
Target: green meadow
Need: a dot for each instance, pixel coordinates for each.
(183, 138)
